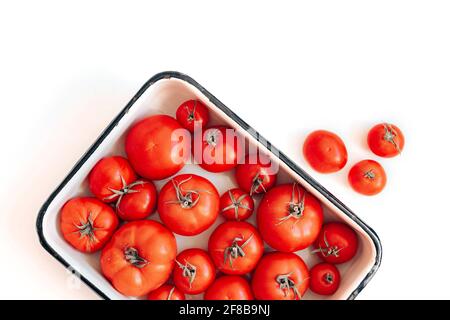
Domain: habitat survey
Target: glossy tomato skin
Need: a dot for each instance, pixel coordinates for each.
(256, 175)
(166, 292)
(367, 177)
(236, 205)
(139, 203)
(139, 258)
(193, 209)
(337, 243)
(280, 276)
(193, 115)
(235, 247)
(229, 288)
(218, 150)
(325, 151)
(287, 227)
(157, 147)
(194, 272)
(386, 140)
(87, 223)
(325, 279)
(110, 173)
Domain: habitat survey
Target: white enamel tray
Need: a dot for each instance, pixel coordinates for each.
(163, 93)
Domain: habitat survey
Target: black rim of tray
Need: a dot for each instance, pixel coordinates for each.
(173, 74)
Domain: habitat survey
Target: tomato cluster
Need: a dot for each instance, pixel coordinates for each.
(139, 256)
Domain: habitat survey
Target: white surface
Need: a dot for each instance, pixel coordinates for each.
(66, 70)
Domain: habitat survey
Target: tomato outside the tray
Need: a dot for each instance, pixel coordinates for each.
(367, 177)
(386, 140)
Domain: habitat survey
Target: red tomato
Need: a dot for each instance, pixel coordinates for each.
(367, 177)
(139, 258)
(193, 115)
(229, 288)
(235, 247)
(325, 279)
(87, 223)
(325, 151)
(109, 177)
(256, 174)
(337, 243)
(218, 150)
(188, 204)
(157, 147)
(166, 292)
(138, 201)
(194, 272)
(237, 205)
(386, 140)
(280, 276)
(289, 218)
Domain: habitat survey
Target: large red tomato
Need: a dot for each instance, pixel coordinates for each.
(280, 276)
(193, 115)
(87, 223)
(229, 288)
(337, 243)
(235, 247)
(138, 201)
(256, 174)
(188, 204)
(109, 178)
(157, 147)
(218, 150)
(237, 205)
(325, 151)
(194, 272)
(139, 258)
(166, 292)
(386, 140)
(289, 218)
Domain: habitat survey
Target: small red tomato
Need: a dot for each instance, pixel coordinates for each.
(87, 223)
(218, 149)
(324, 279)
(367, 177)
(229, 288)
(337, 243)
(109, 177)
(280, 276)
(256, 175)
(137, 201)
(325, 151)
(386, 140)
(166, 292)
(235, 247)
(193, 115)
(194, 272)
(236, 205)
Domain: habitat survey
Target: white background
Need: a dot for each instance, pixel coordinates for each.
(286, 67)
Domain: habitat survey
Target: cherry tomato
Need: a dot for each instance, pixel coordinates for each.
(367, 177)
(166, 292)
(235, 247)
(87, 223)
(188, 204)
(325, 279)
(193, 115)
(337, 243)
(256, 174)
(195, 271)
(229, 288)
(280, 276)
(289, 218)
(157, 147)
(138, 201)
(139, 258)
(219, 149)
(386, 140)
(109, 177)
(325, 151)
(236, 205)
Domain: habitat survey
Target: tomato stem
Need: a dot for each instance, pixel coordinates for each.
(87, 229)
(235, 250)
(258, 182)
(189, 271)
(126, 189)
(328, 250)
(236, 204)
(295, 208)
(132, 256)
(286, 283)
(389, 135)
(189, 198)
